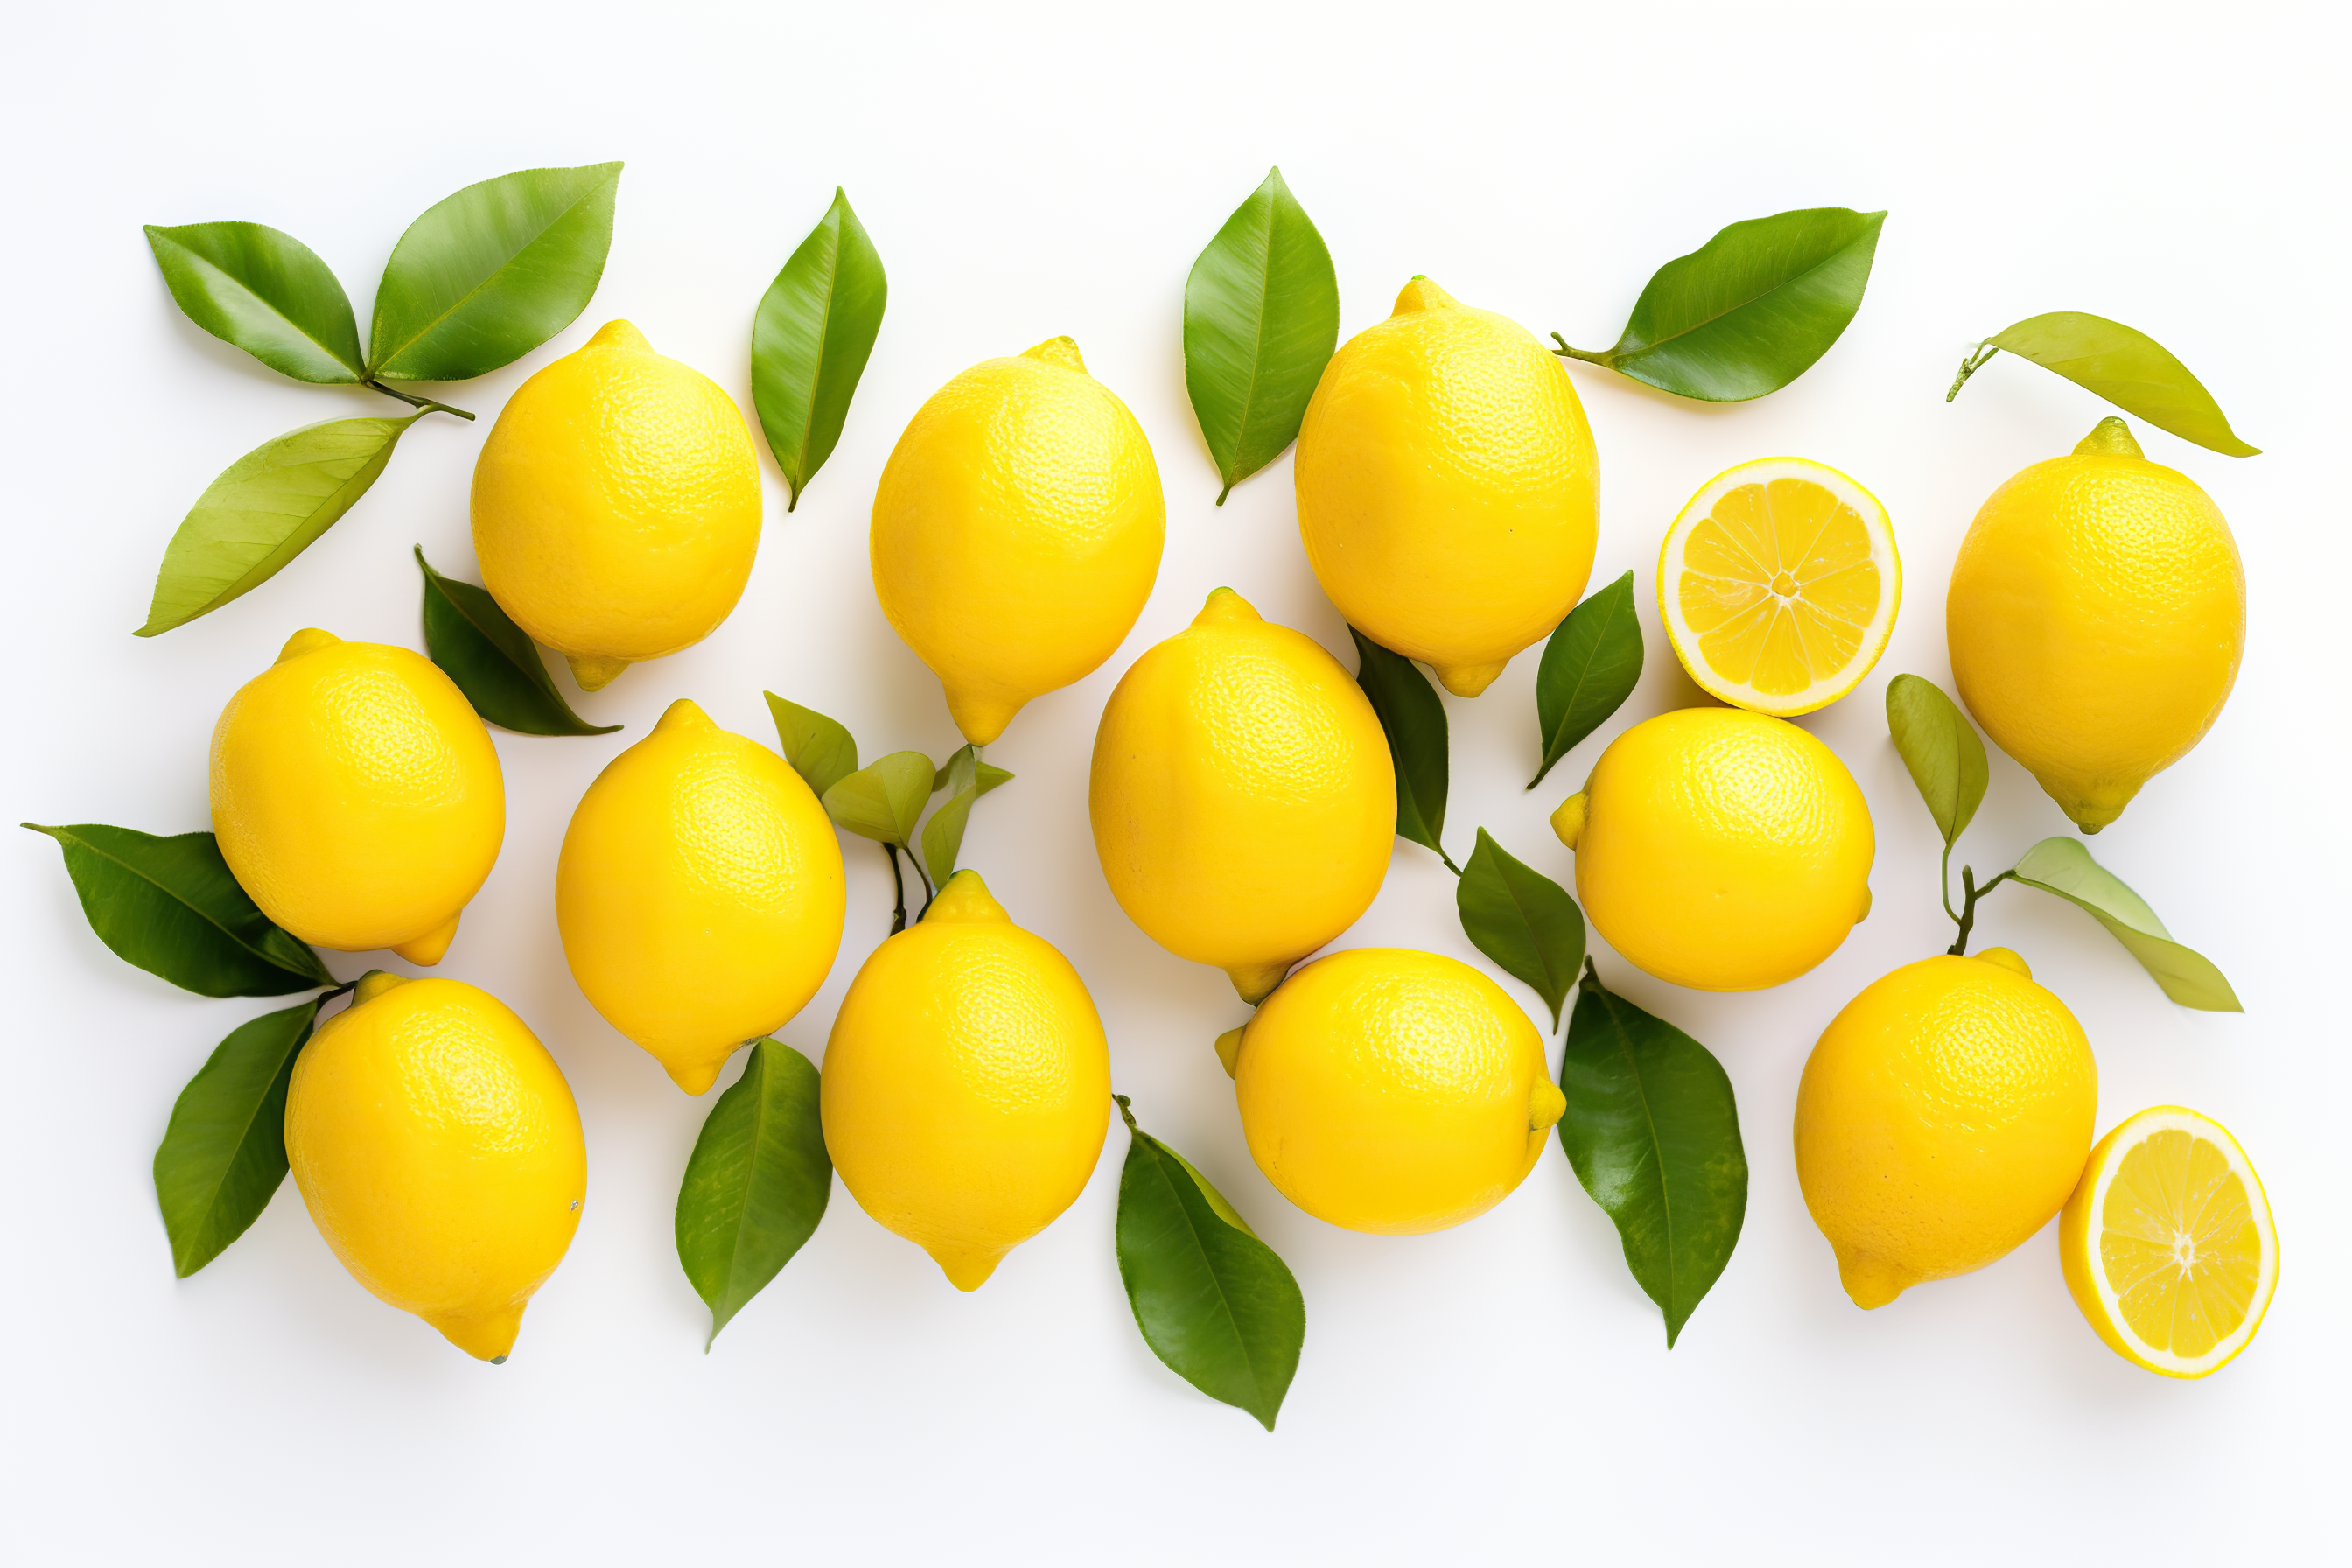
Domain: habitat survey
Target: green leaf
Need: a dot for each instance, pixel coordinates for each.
(2122, 364)
(810, 342)
(1522, 919)
(882, 800)
(493, 661)
(819, 749)
(170, 906)
(1213, 1302)
(1941, 747)
(1751, 310)
(267, 509)
(1590, 666)
(965, 778)
(224, 1152)
(266, 292)
(1261, 319)
(487, 275)
(1652, 1132)
(1414, 718)
(2064, 867)
(756, 1184)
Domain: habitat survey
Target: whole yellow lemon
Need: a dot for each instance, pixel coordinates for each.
(356, 796)
(699, 894)
(1448, 492)
(438, 1151)
(1244, 802)
(966, 1088)
(616, 505)
(1942, 1119)
(2096, 615)
(1720, 849)
(1393, 1092)
(1016, 532)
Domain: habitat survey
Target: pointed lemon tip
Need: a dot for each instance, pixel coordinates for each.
(310, 640)
(1567, 820)
(695, 1078)
(486, 1336)
(684, 714)
(1468, 680)
(428, 948)
(1063, 352)
(620, 334)
(2109, 438)
(1864, 912)
(1546, 1106)
(594, 671)
(1225, 605)
(1229, 1050)
(1870, 1283)
(2007, 958)
(967, 1271)
(1255, 982)
(374, 983)
(965, 901)
(1421, 294)
(980, 719)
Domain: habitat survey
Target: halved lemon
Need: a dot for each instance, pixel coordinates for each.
(1778, 585)
(2168, 1244)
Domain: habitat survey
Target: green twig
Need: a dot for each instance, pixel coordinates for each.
(428, 405)
(1126, 1113)
(1966, 918)
(899, 885)
(1969, 367)
(1587, 356)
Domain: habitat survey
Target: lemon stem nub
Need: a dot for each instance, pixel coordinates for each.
(1229, 1051)
(2109, 438)
(593, 672)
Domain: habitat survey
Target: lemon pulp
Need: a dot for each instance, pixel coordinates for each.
(1779, 585)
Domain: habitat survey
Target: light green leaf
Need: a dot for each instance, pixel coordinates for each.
(820, 749)
(2064, 867)
(1940, 748)
(882, 800)
(965, 778)
(269, 507)
(2122, 364)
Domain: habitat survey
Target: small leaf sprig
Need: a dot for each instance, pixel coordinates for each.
(1946, 759)
(480, 280)
(2119, 364)
(1213, 1302)
(170, 906)
(1748, 311)
(1261, 320)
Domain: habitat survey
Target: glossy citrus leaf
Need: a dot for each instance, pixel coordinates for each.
(224, 1150)
(1591, 665)
(1412, 716)
(266, 292)
(757, 1182)
(1522, 919)
(810, 342)
(493, 660)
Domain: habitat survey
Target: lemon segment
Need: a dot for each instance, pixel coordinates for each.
(1779, 585)
(2168, 1244)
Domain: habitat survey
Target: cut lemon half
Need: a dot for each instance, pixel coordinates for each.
(1778, 585)
(2168, 1244)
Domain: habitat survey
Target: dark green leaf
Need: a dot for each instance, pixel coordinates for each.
(756, 1184)
(816, 326)
(882, 800)
(1261, 318)
(1942, 749)
(1652, 1132)
(1751, 310)
(266, 292)
(1214, 1303)
(819, 749)
(965, 778)
(170, 906)
(1522, 919)
(2064, 867)
(493, 661)
(266, 510)
(2126, 366)
(1414, 718)
(1590, 666)
(223, 1153)
(487, 275)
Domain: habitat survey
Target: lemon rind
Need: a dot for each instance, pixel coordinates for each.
(1825, 691)
(2133, 1131)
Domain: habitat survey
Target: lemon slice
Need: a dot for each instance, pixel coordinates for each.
(2168, 1244)
(1778, 585)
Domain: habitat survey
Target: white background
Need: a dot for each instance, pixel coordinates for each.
(1496, 1392)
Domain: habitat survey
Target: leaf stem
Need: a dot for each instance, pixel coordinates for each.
(1974, 362)
(929, 892)
(899, 885)
(426, 404)
(1944, 882)
(1966, 918)
(1127, 1114)
(1587, 355)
